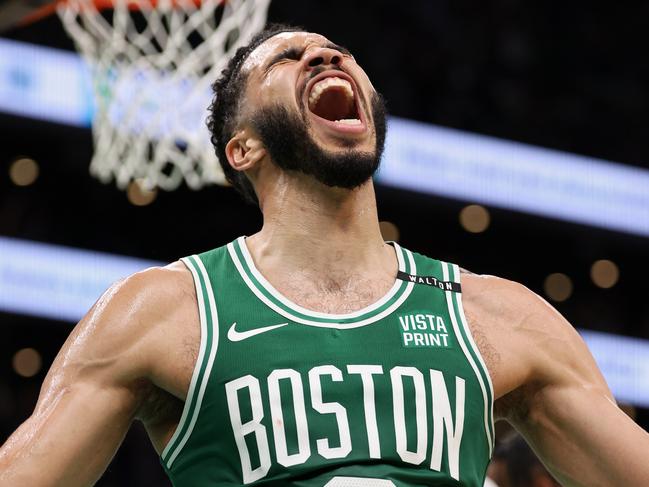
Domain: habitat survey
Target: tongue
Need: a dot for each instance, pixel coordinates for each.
(334, 104)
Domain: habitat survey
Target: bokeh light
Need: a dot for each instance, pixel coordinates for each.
(389, 231)
(23, 171)
(475, 218)
(27, 362)
(139, 195)
(558, 286)
(604, 273)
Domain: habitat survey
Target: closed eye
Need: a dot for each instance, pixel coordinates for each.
(292, 53)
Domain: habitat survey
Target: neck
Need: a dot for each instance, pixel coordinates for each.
(314, 230)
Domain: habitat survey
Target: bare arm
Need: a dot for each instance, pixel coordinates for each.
(565, 409)
(92, 392)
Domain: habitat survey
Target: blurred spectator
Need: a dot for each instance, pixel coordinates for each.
(497, 471)
(514, 464)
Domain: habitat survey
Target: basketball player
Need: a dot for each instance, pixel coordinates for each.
(313, 353)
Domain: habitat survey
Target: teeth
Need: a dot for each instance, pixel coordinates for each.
(349, 121)
(321, 86)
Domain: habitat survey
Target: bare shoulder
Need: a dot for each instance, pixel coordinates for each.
(120, 340)
(496, 295)
(108, 372)
(150, 288)
(526, 342)
(141, 302)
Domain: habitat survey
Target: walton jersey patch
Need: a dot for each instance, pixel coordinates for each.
(430, 281)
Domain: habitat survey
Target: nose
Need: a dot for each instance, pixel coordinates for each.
(323, 56)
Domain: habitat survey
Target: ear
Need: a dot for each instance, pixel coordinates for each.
(244, 150)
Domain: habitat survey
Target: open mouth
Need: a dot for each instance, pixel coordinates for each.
(333, 99)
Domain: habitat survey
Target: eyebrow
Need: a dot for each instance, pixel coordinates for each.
(338, 47)
(297, 52)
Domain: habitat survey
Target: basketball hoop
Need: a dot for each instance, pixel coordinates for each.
(152, 64)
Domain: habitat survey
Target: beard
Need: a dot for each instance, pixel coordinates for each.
(287, 140)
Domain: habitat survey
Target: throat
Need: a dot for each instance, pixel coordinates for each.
(335, 295)
(326, 280)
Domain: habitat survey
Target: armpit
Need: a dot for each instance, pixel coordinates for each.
(513, 406)
(158, 406)
(488, 351)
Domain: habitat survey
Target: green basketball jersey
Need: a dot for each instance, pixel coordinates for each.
(395, 394)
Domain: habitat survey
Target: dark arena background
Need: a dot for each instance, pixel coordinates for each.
(518, 147)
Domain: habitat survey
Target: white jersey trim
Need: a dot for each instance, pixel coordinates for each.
(339, 326)
(469, 357)
(467, 329)
(195, 409)
(316, 314)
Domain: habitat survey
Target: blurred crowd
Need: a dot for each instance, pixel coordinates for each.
(514, 464)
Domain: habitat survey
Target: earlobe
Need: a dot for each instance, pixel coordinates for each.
(243, 152)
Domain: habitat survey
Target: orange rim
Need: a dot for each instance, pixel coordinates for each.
(49, 9)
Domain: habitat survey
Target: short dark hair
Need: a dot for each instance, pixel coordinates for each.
(228, 90)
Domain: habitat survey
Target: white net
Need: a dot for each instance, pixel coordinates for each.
(152, 67)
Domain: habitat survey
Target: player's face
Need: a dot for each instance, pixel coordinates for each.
(315, 108)
(307, 73)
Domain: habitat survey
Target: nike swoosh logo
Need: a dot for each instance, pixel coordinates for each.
(237, 336)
